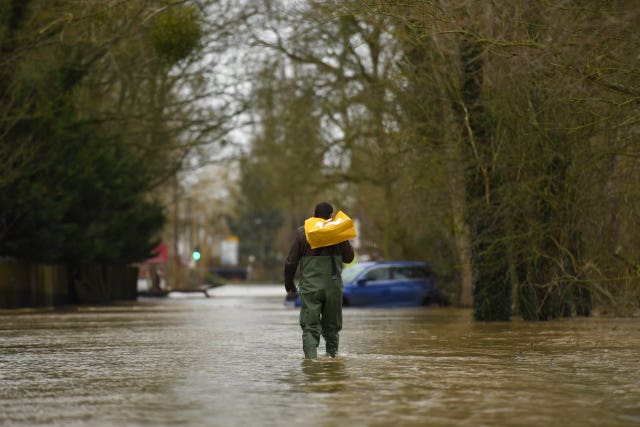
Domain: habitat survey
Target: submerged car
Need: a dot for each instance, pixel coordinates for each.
(390, 284)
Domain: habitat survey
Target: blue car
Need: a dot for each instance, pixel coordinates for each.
(390, 284)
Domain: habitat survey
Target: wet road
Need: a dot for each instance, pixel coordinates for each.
(235, 360)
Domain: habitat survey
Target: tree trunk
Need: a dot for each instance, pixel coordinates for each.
(490, 282)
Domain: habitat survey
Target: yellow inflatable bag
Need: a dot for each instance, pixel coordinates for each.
(325, 232)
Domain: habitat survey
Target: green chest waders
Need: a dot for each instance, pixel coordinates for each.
(321, 294)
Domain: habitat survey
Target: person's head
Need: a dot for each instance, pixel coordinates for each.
(323, 210)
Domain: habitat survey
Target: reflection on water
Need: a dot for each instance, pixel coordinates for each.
(235, 360)
(324, 375)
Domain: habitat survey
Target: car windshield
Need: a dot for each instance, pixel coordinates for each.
(349, 273)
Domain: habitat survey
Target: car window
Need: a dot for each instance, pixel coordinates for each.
(350, 273)
(404, 273)
(410, 272)
(424, 272)
(380, 273)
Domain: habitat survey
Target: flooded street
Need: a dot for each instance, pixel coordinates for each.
(236, 360)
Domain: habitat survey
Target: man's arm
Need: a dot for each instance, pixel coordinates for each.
(291, 265)
(347, 252)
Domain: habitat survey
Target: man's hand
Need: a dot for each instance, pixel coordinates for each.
(292, 295)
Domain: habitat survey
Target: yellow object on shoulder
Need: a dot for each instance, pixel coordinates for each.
(325, 232)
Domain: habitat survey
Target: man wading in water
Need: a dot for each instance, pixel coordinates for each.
(320, 287)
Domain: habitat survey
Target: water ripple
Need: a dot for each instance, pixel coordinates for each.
(235, 360)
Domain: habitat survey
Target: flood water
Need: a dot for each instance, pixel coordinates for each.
(235, 360)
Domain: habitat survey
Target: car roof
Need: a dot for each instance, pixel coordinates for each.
(399, 262)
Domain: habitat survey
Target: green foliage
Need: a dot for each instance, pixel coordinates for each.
(176, 33)
(81, 201)
(259, 215)
(509, 126)
(491, 288)
(490, 281)
(284, 171)
(71, 189)
(257, 229)
(12, 15)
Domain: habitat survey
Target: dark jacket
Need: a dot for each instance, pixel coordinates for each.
(300, 247)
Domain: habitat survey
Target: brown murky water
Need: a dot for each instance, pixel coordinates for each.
(235, 360)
